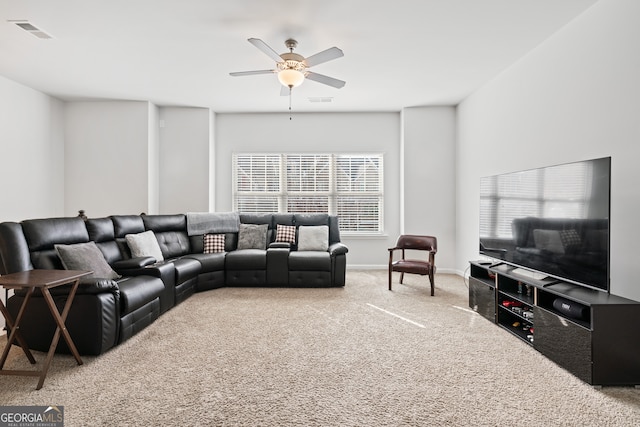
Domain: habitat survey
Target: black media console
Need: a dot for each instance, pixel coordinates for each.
(592, 334)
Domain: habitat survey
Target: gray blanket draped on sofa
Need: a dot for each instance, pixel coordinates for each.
(212, 222)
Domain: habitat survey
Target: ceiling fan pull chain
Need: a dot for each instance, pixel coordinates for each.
(290, 90)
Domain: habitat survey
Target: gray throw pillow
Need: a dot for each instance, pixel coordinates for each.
(313, 238)
(85, 256)
(548, 240)
(252, 236)
(144, 244)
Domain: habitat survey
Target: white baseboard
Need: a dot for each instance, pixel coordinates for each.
(366, 267)
(385, 266)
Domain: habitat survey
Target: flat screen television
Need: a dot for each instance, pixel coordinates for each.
(553, 221)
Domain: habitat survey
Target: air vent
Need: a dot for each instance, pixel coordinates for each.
(32, 29)
(321, 99)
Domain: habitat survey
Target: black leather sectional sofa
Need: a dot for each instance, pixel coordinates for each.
(108, 311)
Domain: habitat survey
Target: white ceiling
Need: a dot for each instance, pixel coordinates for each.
(398, 54)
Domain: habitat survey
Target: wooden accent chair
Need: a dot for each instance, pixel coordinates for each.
(414, 266)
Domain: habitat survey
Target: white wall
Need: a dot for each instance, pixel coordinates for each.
(184, 159)
(308, 133)
(107, 158)
(31, 152)
(428, 175)
(574, 97)
(31, 156)
(212, 162)
(153, 161)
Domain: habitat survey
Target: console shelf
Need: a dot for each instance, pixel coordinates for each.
(516, 324)
(589, 333)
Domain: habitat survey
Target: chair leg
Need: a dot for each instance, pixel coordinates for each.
(401, 277)
(390, 279)
(431, 279)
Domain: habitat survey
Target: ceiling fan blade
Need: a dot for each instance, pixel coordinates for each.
(265, 48)
(324, 56)
(321, 78)
(250, 73)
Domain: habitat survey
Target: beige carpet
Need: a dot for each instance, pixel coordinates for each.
(358, 356)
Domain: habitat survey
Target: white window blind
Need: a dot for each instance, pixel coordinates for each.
(347, 185)
(257, 183)
(359, 192)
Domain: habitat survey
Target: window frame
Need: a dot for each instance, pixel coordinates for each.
(326, 187)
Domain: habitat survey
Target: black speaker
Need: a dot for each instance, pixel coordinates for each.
(571, 309)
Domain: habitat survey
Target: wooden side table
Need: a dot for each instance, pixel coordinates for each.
(43, 280)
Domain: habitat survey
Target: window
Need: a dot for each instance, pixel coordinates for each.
(347, 185)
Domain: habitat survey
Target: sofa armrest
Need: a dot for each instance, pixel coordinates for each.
(97, 286)
(88, 286)
(280, 245)
(139, 262)
(163, 269)
(338, 249)
(278, 265)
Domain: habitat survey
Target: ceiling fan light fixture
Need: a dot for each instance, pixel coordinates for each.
(292, 68)
(290, 78)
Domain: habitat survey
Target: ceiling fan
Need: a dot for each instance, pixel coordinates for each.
(292, 68)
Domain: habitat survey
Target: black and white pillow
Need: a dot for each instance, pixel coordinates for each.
(286, 233)
(213, 243)
(570, 240)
